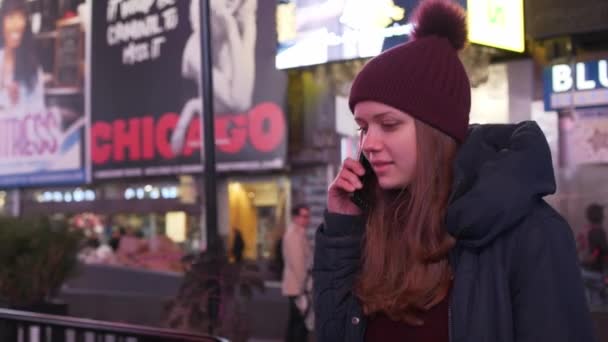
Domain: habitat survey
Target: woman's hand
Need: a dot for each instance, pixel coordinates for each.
(341, 189)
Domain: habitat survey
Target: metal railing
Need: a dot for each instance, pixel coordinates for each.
(22, 326)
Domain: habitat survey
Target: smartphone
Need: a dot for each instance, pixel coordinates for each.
(361, 196)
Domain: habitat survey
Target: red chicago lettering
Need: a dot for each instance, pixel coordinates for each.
(194, 138)
(231, 132)
(266, 127)
(145, 138)
(164, 127)
(101, 142)
(148, 137)
(127, 139)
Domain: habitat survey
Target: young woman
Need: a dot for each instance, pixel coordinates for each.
(456, 242)
(21, 84)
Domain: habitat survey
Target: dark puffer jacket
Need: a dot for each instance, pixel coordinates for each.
(516, 273)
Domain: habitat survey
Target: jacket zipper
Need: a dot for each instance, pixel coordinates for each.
(450, 322)
(452, 261)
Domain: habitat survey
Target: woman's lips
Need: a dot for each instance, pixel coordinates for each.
(381, 166)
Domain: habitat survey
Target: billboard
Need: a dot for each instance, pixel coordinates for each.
(146, 88)
(319, 31)
(42, 113)
(497, 23)
(577, 85)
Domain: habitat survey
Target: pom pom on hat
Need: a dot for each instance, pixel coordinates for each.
(442, 18)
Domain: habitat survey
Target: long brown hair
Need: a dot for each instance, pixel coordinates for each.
(405, 270)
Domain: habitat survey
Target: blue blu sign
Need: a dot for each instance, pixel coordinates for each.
(584, 84)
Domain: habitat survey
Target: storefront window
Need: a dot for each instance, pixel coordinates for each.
(153, 241)
(3, 203)
(138, 225)
(257, 210)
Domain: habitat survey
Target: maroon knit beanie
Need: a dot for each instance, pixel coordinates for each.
(423, 77)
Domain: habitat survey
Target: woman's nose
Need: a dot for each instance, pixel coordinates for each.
(371, 142)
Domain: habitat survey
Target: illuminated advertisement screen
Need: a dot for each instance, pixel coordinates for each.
(497, 23)
(319, 31)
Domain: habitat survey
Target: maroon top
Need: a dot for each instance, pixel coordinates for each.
(435, 328)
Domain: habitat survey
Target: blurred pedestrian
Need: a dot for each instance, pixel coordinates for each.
(115, 238)
(595, 254)
(238, 246)
(297, 254)
(278, 263)
(597, 246)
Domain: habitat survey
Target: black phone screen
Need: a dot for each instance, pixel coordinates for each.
(360, 196)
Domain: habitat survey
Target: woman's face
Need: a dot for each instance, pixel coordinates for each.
(388, 141)
(13, 27)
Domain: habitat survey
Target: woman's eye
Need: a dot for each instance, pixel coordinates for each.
(390, 125)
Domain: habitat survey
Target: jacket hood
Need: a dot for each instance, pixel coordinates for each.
(500, 173)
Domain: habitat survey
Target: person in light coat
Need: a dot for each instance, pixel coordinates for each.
(297, 254)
